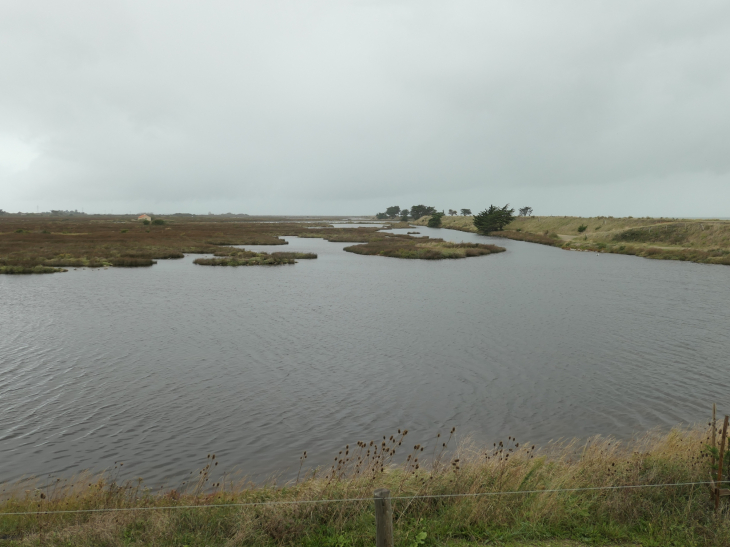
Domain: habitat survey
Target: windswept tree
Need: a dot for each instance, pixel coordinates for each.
(381, 216)
(435, 220)
(404, 215)
(393, 211)
(452, 212)
(525, 211)
(466, 212)
(493, 219)
(418, 211)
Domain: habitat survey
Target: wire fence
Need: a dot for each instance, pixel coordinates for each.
(343, 500)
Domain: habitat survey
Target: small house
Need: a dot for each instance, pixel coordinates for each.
(144, 217)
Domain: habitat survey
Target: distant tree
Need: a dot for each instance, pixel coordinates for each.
(435, 220)
(493, 219)
(418, 211)
(392, 212)
(452, 212)
(145, 222)
(381, 216)
(466, 212)
(404, 215)
(525, 211)
(158, 222)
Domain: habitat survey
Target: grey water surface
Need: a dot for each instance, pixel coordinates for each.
(158, 367)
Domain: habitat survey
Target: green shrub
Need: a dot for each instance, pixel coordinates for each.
(158, 222)
(145, 222)
(582, 228)
(435, 220)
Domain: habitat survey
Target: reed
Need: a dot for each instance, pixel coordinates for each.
(665, 515)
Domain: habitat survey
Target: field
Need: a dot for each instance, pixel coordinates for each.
(45, 244)
(550, 512)
(704, 241)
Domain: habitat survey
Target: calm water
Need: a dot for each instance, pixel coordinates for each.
(158, 367)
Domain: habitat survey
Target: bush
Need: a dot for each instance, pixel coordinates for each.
(582, 228)
(435, 220)
(493, 219)
(157, 222)
(145, 222)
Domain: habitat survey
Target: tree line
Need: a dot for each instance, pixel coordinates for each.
(415, 212)
(492, 219)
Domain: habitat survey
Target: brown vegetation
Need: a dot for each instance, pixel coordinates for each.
(49, 244)
(240, 257)
(422, 248)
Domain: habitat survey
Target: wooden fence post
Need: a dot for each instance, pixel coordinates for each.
(383, 518)
(714, 430)
(719, 490)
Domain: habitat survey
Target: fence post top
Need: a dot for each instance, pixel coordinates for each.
(382, 493)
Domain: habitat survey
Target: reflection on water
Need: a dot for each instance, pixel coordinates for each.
(159, 366)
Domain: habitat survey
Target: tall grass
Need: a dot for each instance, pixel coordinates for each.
(425, 476)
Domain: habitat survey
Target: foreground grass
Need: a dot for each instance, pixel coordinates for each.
(703, 241)
(657, 516)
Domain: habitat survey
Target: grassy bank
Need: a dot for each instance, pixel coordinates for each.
(704, 241)
(658, 516)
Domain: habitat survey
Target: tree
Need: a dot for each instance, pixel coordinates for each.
(525, 211)
(381, 216)
(158, 222)
(493, 219)
(466, 212)
(435, 220)
(404, 215)
(418, 211)
(392, 212)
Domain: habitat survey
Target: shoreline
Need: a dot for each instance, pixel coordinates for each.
(701, 241)
(561, 502)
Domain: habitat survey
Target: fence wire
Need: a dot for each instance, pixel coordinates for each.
(342, 500)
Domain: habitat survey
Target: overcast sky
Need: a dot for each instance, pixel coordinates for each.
(345, 107)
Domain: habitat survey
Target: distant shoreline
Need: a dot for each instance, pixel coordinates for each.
(705, 241)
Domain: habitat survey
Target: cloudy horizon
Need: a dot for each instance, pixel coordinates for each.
(329, 108)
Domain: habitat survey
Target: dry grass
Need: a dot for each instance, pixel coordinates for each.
(652, 516)
(704, 241)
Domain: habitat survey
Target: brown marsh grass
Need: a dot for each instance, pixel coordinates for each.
(49, 244)
(422, 248)
(439, 489)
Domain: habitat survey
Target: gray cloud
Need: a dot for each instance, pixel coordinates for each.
(346, 107)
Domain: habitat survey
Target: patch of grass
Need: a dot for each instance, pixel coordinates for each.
(543, 515)
(542, 239)
(422, 248)
(241, 257)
